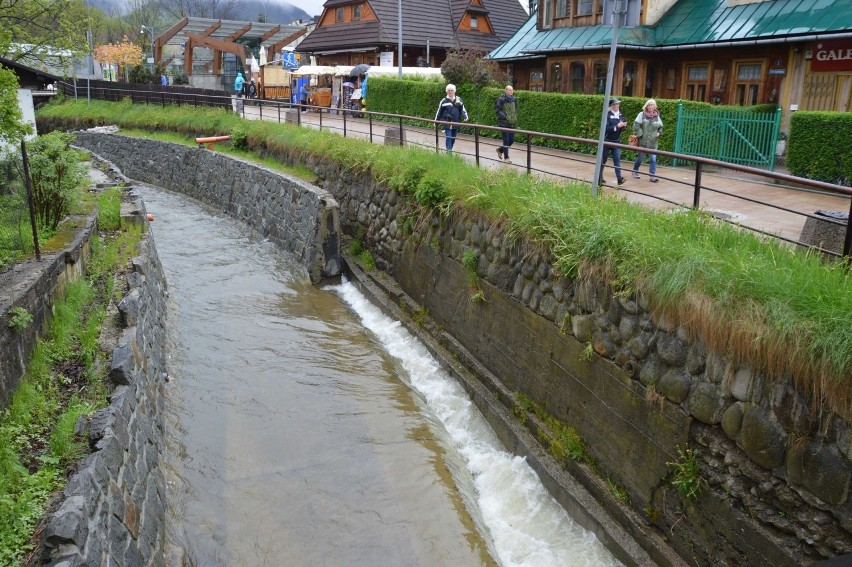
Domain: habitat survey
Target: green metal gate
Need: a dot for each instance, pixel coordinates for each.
(733, 136)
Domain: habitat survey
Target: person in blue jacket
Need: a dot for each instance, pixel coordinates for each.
(451, 110)
(163, 79)
(238, 83)
(304, 93)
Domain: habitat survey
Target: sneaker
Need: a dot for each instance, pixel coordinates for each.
(621, 180)
(500, 153)
(654, 180)
(635, 174)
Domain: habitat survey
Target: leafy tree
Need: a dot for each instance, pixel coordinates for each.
(56, 171)
(141, 74)
(43, 31)
(11, 125)
(470, 67)
(124, 54)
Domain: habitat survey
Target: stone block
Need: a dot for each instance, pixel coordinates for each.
(827, 232)
(822, 470)
(761, 438)
(394, 136)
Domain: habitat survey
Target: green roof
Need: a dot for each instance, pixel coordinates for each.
(693, 23)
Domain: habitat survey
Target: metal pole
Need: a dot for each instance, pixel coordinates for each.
(616, 21)
(399, 31)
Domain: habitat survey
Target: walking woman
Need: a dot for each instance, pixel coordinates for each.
(506, 107)
(451, 111)
(648, 127)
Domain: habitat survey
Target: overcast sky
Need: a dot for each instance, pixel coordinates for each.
(314, 7)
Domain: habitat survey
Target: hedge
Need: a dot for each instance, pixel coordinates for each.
(554, 113)
(819, 146)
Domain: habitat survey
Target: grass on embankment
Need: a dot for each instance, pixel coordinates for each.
(760, 301)
(37, 442)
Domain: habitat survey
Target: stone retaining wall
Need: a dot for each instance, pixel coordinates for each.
(296, 215)
(113, 507)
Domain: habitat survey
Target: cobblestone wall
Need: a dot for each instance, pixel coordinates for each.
(778, 475)
(113, 507)
(296, 215)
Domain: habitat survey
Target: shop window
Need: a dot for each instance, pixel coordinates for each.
(748, 83)
(600, 77)
(578, 78)
(561, 8)
(696, 82)
(556, 77)
(546, 14)
(537, 80)
(356, 12)
(339, 15)
(474, 22)
(628, 78)
(584, 8)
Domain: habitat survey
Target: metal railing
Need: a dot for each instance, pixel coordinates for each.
(685, 186)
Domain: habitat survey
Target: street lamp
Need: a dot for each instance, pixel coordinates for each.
(617, 11)
(142, 30)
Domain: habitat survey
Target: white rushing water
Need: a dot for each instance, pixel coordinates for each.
(522, 522)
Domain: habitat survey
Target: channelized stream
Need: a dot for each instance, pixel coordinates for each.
(307, 428)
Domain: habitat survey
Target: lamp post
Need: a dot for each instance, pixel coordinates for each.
(142, 30)
(399, 31)
(616, 22)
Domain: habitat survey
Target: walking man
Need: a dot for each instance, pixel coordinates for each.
(615, 125)
(451, 111)
(507, 117)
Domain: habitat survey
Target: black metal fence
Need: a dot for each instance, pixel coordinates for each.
(698, 178)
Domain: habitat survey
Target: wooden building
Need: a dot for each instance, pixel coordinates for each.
(795, 53)
(352, 32)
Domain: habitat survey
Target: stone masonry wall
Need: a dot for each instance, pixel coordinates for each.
(297, 216)
(113, 507)
(778, 476)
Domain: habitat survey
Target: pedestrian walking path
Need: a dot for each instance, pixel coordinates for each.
(730, 195)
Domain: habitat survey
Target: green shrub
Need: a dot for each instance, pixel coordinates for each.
(109, 209)
(239, 139)
(57, 173)
(431, 191)
(819, 146)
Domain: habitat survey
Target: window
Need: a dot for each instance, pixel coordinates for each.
(537, 80)
(474, 22)
(696, 82)
(748, 83)
(600, 77)
(339, 15)
(578, 78)
(561, 8)
(556, 77)
(546, 14)
(356, 12)
(649, 82)
(628, 78)
(584, 8)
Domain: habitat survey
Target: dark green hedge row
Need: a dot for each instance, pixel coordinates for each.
(819, 146)
(555, 113)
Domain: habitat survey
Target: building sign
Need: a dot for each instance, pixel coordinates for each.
(386, 59)
(832, 56)
(777, 72)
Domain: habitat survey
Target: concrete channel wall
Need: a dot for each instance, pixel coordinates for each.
(636, 387)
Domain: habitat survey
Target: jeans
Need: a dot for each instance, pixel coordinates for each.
(616, 160)
(450, 140)
(508, 140)
(651, 157)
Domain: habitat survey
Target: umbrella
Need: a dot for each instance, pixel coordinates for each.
(359, 69)
(254, 66)
(262, 56)
(349, 84)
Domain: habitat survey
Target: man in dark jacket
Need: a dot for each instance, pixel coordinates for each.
(507, 117)
(451, 111)
(615, 125)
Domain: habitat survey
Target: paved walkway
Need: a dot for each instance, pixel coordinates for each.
(730, 195)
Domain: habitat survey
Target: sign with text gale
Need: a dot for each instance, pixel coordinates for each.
(833, 55)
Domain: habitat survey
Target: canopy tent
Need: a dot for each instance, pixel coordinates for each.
(426, 72)
(337, 70)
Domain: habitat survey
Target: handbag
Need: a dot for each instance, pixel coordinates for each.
(633, 140)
